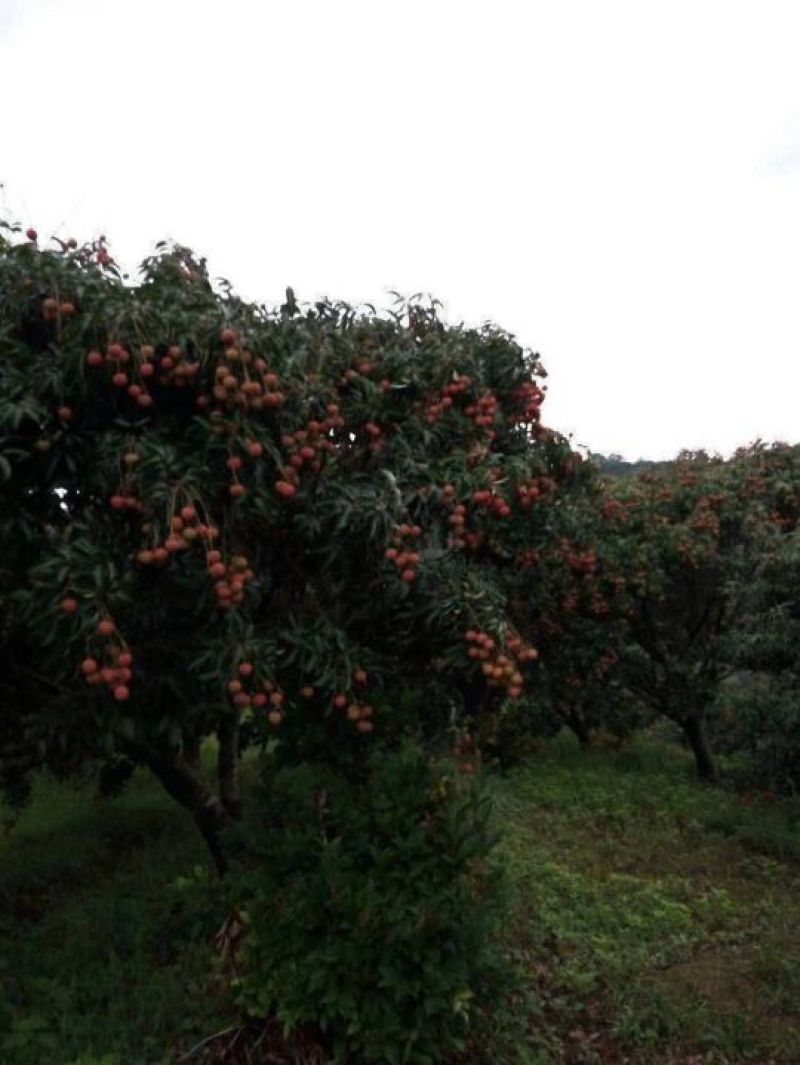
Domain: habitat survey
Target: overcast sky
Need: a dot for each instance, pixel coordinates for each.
(617, 184)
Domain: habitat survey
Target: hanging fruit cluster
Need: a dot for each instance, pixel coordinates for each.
(174, 367)
(358, 712)
(530, 398)
(124, 499)
(374, 431)
(494, 503)
(615, 510)
(185, 530)
(242, 380)
(457, 522)
(131, 374)
(245, 691)
(582, 563)
(230, 579)
(112, 663)
(53, 309)
(540, 489)
(437, 406)
(501, 665)
(306, 447)
(459, 537)
(401, 555)
(483, 412)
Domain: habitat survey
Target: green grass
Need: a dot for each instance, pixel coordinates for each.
(655, 920)
(100, 960)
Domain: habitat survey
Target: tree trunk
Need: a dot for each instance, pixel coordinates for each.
(191, 751)
(578, 725)
(186, 788)
(228, 765)
(695, 731)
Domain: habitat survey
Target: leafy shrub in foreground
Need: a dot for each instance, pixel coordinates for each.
(371, 907)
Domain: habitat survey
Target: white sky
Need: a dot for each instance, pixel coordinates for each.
(618, 184)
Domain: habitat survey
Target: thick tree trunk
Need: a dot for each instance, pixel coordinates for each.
(228, 765)
(185, 787)
(695, 731)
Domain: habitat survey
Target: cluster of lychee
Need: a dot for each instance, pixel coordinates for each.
(501, 665)
(583, 563)
(355, 709)
(305, 448)
(53, 309)
(124, 499)
(473, 540)
(173, 368)
(185, 529)
(483, 412)
(530, 398)
(235, 464)
(244, 693)
(376, 443)
(437, 407)
(242, 380)
(457, 522)
(459, 537)
(527, 495)
(112, 666)
(405, 561)
(118, 359)
(615, 510)
(230, 578)
(491, 501)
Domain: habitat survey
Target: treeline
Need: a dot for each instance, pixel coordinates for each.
(702, 556)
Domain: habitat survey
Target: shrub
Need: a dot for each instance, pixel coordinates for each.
(371, 906)
(757, 721)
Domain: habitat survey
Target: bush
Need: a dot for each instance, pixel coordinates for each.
(757, 721)
(371, 906)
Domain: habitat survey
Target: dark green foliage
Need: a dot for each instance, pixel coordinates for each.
(371, 907)
(757, 720)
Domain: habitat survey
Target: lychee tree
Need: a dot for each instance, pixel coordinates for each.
(299, 525)
(692, 543)
(581, 637)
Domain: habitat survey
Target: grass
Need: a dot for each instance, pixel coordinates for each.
(656, 921)
(100, 961)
